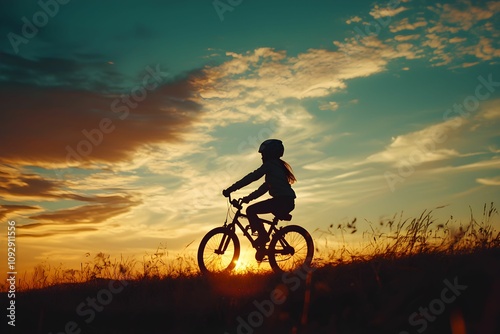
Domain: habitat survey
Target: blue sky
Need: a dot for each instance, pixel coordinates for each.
(122, 121)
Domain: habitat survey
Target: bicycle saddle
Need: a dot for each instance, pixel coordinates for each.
(286, 217)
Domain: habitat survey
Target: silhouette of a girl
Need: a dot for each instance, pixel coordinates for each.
(278, 180)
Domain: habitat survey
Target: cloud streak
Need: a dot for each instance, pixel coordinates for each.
(10, 210)
(494, 181)
(422, 145)
(104, 208)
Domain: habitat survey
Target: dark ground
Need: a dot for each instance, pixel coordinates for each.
(427, 293)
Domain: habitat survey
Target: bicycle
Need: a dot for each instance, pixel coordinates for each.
(290, 248)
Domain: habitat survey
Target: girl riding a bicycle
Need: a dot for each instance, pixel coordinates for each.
(278, 179)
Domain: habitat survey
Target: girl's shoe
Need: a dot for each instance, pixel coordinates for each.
(260, 254)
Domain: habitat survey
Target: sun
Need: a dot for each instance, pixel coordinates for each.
(247, 263)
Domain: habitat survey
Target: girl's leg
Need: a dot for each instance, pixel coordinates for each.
(256, 224)
(280, 205)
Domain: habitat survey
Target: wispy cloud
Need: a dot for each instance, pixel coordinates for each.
(12, 210)
(58, 233)
(459, 18)
(332, 105)
(98, 204)
(465, 15)
(379, 12)
(104, 208)
(481, 165)
(405, 24)
(271, 76)
(423, 145)
(404, 38)
(16, 185)
(494, 181)
(491, 111)
(354, 19)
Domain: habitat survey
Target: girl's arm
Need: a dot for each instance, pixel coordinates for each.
(257, 193)
(251, 177)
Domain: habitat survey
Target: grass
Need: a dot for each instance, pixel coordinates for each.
(373, 288)
(157, 265)
(393, 238)
(398, 237)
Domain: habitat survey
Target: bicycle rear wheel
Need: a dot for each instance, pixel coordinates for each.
(218, 251)
(291, 248)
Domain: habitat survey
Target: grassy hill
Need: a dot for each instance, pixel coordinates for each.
(427, 293)
(407, 284)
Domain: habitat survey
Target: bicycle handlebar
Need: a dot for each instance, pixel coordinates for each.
(236, 202)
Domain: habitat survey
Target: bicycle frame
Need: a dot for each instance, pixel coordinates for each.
(236, 222)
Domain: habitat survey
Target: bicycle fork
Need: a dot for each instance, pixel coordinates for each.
(223, 244)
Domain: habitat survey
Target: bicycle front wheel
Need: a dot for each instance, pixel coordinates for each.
(292, 248)
(219, 251)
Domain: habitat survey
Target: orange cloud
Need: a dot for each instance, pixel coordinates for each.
(55, 126)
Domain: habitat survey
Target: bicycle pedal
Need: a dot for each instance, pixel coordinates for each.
(259, 257)
(260, 254)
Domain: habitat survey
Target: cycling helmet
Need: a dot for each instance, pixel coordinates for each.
(272, 148)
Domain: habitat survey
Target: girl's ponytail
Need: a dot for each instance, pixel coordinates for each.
(288, 172)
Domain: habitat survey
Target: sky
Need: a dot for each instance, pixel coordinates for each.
(122, 121)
